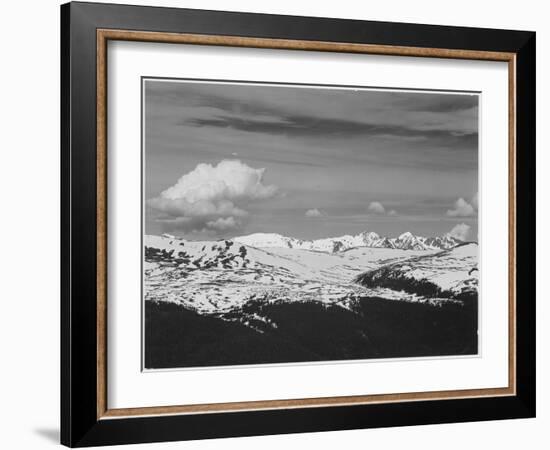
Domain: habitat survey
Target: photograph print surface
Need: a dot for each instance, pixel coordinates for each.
(301, 223)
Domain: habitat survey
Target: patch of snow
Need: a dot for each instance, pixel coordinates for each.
(214, 277)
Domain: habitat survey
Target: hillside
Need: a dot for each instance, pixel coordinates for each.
(406, 241)
(450, 274)
(228, 302)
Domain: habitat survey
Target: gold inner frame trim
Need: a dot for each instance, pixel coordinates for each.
(103, 36)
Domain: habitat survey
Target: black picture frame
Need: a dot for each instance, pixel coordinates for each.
(80, 425)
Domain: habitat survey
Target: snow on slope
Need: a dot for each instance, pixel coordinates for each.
(406, 241)
(217, 276)
(267, 240)
(449, 273)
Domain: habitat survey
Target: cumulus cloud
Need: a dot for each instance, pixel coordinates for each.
(205, 223)
(314, 213)
(460, 231)
(202, 208)
(475, 201)
(229, 180)
(392, 212)
(461, 208)
(377, 208)
(223, 224)
(212, 197)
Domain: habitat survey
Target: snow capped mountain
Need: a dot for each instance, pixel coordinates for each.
(266, 240)
(281, 296)
(450, 273)
(214, 277)
(385, 243)
(406, 241)
(409, 241)
(443, 242)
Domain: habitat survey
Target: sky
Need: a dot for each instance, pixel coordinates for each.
(225, 159)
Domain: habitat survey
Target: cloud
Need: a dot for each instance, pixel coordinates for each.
(461, 209)
(223, 224)
(314, 213)
(460, 231)
(211, 197)
(377, 208)
(202, 208)
(213, 222)
(444, 104)
(230, 179)
(312, 125)
(475, 201)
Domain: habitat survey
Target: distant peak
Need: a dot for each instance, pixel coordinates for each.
(370, 234)
(406, 235)
(257, 235)
(405, 241)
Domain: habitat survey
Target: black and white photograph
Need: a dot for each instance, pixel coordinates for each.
(302, 223)
(276, 225)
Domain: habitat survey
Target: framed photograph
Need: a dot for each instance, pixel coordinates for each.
(277, 224)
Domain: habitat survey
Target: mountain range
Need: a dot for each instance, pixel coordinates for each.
(267, 298)
(215, 276)
(406, 241)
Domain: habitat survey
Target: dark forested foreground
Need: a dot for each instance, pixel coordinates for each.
(302, 332)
